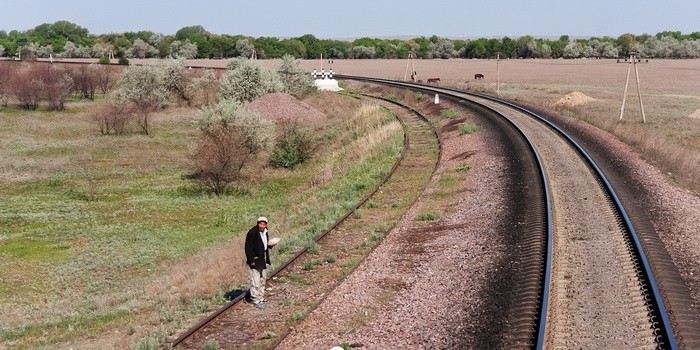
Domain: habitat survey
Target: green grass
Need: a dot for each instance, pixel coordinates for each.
(450, 114)
(429, 216)
(91, 219)
(465, 129)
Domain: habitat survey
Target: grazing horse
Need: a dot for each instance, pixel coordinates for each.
(433, 80)
(478, 76)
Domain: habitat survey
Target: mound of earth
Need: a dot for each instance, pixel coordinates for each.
(281, 108)
(574, 99)
(696, 114)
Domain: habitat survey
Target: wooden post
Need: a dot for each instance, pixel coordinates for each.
(498, 78)
(639, 90)
(624, 96)
(633, 61)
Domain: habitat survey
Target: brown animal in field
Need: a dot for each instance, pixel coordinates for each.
(433, 80)
(478, 76)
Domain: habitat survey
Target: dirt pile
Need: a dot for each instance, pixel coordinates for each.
(574, 99)
(280, 107)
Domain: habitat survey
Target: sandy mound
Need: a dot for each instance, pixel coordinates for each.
(695, 114)
(574, 99)
(279, 107)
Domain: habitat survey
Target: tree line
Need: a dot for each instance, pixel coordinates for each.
(66, 39)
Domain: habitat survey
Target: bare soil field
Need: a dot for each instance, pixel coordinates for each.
(682, 76)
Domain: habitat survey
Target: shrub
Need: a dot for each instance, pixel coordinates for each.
(176, 79)
(104, 77)
(247, 80)
(123, 61)
(27, 86)
(57, 86)
(85, 80)
(142, 87)
(111, 117)
(203, 90)
(231, 136)
(103, 60)
(293, 147)
(295, 80)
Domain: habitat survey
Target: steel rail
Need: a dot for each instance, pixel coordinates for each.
(647, 275)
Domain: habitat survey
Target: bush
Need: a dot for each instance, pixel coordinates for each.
(123, 61)
(293, 147)
(111, 117)
(203, 90)
(246, 80)
(231, 137)
(295, 80)
(143, 87)
(103, 60)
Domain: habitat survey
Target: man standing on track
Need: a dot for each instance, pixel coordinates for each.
(257, 257)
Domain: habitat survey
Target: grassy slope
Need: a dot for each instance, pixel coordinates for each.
(87, 221)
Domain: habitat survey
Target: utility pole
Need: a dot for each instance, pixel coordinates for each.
(498, 76)
(413, 68)
(633, 60)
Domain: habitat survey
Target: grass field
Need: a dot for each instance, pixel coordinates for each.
(103, 243)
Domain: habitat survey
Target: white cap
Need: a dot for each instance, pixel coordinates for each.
(262, 218)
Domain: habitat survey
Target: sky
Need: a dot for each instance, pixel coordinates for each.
(349, 19)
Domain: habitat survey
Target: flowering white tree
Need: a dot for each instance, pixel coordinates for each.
(2, 51)
(71, 50)
(248, 81)
(231, 137)
(143, 87)
(362, 52)
(295, 80)
(100, 50)
(203, 90)
(141, 49)
(186, 49)
(443, 48)
(176, 79)
(572, 50)
(245, 48)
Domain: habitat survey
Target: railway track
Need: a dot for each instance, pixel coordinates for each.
(587, 281)
(601, 292)
(303, 281)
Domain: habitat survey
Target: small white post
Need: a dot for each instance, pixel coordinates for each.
(437, 99)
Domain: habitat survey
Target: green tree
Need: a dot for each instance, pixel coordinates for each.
(626, 43)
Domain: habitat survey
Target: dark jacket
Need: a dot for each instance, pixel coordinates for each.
(255, 249)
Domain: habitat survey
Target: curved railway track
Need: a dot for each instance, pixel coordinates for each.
(348, 240)
(586, 280)
(602, 292)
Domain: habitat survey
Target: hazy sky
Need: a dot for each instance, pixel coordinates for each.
(357, 18)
